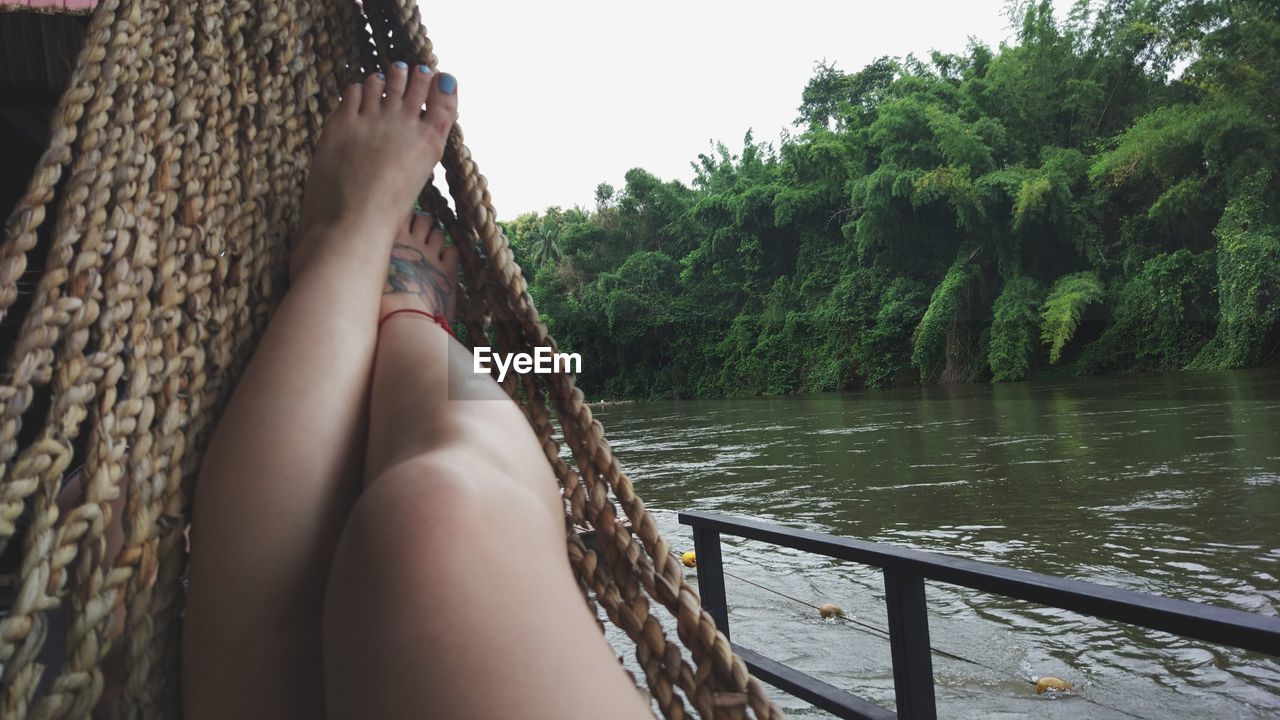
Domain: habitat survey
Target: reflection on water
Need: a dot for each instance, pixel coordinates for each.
(1166, 484)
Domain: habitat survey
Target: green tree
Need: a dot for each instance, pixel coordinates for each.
(544, 241)
(1098, 195)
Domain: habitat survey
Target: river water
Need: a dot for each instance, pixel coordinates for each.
(1165, 484)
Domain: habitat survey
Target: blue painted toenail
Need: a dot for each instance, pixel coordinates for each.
(381, 76)
(401, 65)
(447, 83)
(424, 69)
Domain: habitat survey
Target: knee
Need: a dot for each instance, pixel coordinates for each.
(442, 493)
(432, 503)
(406, 519)
(418, 522)
(415, 497)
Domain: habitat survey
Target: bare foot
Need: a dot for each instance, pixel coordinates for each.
(424, 271)
(375, 154)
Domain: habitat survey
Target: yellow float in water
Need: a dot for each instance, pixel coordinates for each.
(689, 559)
(1052, 684)
(829, 610)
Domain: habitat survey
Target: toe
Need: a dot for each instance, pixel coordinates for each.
(419, 87)
(374, 85)
(449, 263)
(449, 267)
(422, 224)
(349, 102)
(435, 241)
(442, 105)
(397, 80)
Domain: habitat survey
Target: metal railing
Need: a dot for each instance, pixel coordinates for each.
(904, 574)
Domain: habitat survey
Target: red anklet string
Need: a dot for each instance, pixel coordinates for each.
(439, 319)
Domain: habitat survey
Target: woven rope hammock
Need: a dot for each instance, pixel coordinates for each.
(161, 209)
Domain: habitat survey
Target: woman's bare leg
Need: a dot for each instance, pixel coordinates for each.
(451, 594)
(283, 467)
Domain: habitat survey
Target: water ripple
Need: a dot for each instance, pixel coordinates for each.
(1164, 484)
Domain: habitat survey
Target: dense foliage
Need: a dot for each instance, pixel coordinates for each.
(1097, 197)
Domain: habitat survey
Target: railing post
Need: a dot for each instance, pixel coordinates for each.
(909, 643)
(706, 545)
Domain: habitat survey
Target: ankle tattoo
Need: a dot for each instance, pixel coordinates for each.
(412, 273)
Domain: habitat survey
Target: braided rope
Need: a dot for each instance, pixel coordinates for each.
(175, 166)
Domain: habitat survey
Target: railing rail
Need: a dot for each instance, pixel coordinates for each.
(905, 571)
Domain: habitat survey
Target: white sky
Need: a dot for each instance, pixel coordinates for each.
(557, 96)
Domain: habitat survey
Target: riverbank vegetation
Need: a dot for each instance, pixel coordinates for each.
(1100, 195)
